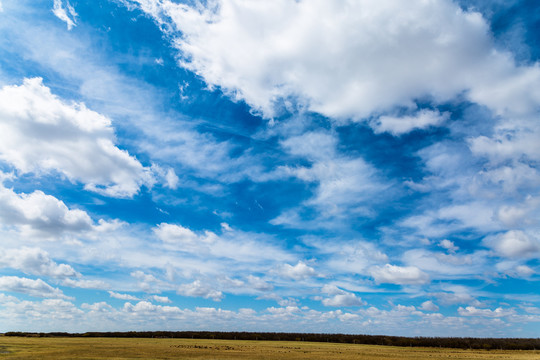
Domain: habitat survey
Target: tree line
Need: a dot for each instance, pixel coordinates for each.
(443, 342)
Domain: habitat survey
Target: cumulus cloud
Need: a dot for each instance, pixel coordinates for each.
(300, 271)
(36, 288)
(429, 306)
(198, 289)
(259, 284)
(340, 297)
(55, 312)
(41, 213)
(473, 311)
(35, 261)
(147, 308)
(272, 52)
(43, 134)
(402, 275)
(146, 282)
(161, 299)
(514, 244)
(120, 296)
(101, 306)
(398, 125)
(66, 14)
(448, 245)
(182, 237)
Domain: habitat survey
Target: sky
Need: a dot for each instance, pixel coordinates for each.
(360, 166)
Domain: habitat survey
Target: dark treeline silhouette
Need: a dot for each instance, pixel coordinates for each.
(456, 342)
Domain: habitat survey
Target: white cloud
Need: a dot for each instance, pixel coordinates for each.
(441, 265)
(284, 312)
(512, 92)
(137, 104)
(340, 297)
(97, 307)
(161, 299)
(398, 125)
(514, 269)
(524, 271)
(448, 245)
(48, 311)
(269, 52)
(42, 134)
(259, 284)
(146, 282)
(29, 315)
(167, 176)
(514, 244)
(457, 294)
(345, 185)
(36, 262)
(473, 311)
(230, 244)
(37, 288)
(147, 308)
(181, 236)
(41, 213)
(513, 178)
(198, 289)
(300, 271)
(429, 306)
(350, 257)
(62, 13)
(403, 275)
(478, 215)
(122, 296)
(7, 299)
(85, 284)
(312, 145)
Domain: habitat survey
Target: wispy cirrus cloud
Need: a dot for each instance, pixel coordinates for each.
(67, 14)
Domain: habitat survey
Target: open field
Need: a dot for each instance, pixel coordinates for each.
(132, 348)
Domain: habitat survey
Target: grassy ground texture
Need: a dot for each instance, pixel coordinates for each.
(130, 348)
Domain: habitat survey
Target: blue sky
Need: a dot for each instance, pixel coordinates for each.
(348, 166)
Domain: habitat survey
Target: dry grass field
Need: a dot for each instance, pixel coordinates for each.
(130, 348)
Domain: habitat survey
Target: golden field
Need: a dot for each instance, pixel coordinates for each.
(133, 348)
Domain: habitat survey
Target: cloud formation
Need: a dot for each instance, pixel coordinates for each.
(198, 289)
(272, 54)
(35, 288)
(43, 134)
(403, 275)
(67, 14)
(35, 261)
(308, 165)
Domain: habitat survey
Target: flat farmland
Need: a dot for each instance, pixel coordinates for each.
(133, 348)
